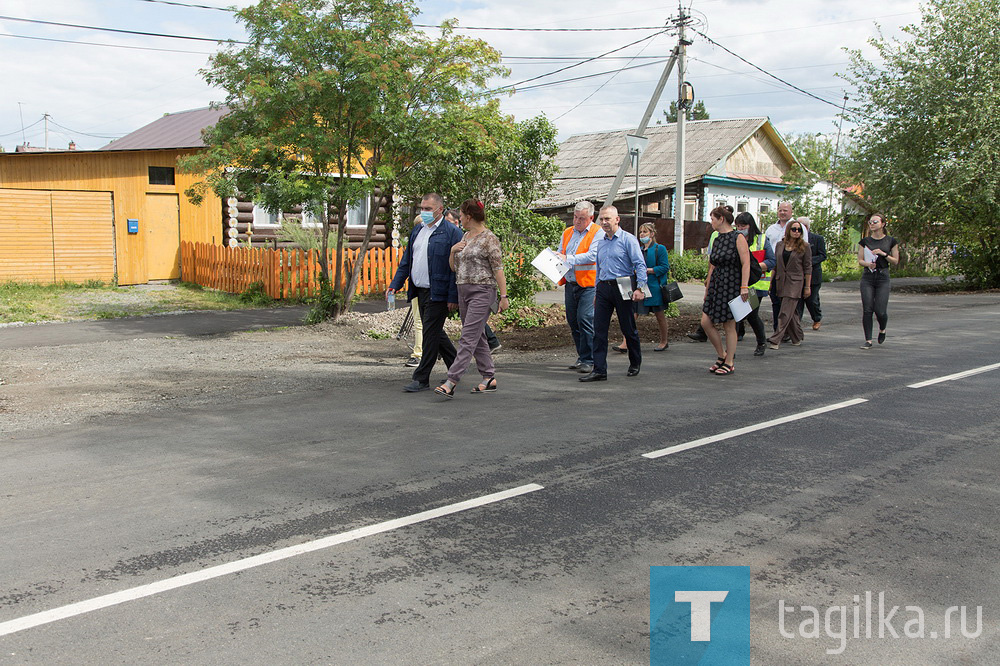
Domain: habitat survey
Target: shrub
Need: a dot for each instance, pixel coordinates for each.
(692, 266)
(255, 295)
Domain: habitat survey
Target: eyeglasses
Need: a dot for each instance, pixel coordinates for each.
(796, 230)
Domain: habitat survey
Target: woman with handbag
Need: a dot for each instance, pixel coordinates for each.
(792, 276)
(763, 254)
(658, 271)
(478, 265)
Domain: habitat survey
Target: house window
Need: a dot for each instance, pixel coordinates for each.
(765, 208)
(265, 218)
(310, 220)
(742, 206)
(357, 213)
(161, 175)
(690, 209)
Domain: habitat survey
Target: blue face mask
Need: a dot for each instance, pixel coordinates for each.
(427, 217)
(644, 239)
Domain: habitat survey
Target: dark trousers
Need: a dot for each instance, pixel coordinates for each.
(436, 342)
(607, 300)
(812, 303)
(756, 323)
(491, 338)
(775, 308)
(874, 299)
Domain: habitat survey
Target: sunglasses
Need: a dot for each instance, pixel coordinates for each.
(875, 221)
(796, 230)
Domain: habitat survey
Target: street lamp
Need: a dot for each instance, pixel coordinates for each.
(636, 146)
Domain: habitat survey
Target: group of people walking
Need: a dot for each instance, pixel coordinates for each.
(613, 271)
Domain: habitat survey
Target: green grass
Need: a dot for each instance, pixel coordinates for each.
(26, 302)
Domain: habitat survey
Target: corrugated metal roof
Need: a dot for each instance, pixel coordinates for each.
(173, 130)
(588, 162)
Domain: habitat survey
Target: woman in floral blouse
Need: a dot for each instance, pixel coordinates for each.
(478, 266)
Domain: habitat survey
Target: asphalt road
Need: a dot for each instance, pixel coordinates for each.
(895, 494)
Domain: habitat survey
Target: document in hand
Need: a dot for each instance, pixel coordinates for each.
(549, 265)
(740, 308)
(870, 257)
(625, 288)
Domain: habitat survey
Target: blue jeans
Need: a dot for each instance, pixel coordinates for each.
(580, 317)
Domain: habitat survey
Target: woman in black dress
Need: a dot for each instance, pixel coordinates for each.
(728, 274)
(875, 276)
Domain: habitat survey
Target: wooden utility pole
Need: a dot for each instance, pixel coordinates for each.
(682, 105)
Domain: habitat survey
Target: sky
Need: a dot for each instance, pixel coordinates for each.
(95, 92)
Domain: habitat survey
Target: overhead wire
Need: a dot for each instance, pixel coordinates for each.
(18, 131)
(582, 62)
(114, 46)
(120, 30)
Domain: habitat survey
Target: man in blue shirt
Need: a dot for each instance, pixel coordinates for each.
(432, 282)
(618, 255)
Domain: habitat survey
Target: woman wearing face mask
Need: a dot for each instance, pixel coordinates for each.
(875, 276)
(657, 270)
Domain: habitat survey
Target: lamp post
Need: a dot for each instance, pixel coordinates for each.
(636, 146)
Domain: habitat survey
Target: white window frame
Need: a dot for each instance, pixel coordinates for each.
(764, 207)
(742, 207)
(265, 218)
(310, 221)
(357, 213)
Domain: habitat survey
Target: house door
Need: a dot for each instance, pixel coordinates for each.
(163, 237)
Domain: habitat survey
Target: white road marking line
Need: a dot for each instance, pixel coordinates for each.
(79, 608)
(742, 431)
(957, 375)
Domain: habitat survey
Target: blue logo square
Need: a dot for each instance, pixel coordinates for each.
(699, 615)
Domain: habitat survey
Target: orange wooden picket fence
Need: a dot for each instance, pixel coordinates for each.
(284, 273)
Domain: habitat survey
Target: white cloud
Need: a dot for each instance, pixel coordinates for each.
(102, 90)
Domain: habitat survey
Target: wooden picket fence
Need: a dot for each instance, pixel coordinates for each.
(284, 273)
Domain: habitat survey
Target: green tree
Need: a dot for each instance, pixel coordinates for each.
(506, 166)
(928, 135)
(331, 88)
(695, 112)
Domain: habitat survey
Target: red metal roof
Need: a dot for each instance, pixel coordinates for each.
(173, 130)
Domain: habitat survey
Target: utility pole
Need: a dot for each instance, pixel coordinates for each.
(46, 117)
(682, 104)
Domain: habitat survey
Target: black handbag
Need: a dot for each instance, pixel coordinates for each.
(671, 292)
(755, 272)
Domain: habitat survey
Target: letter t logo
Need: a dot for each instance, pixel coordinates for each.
(701, 610)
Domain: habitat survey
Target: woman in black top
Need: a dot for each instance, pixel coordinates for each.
(875, 275)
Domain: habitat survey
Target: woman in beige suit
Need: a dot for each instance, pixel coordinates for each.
(792, 275)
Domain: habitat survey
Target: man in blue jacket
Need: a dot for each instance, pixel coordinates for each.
(432, 282)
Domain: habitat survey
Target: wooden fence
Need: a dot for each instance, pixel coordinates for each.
(284, 273)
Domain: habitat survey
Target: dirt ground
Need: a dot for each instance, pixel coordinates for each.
(42, 387)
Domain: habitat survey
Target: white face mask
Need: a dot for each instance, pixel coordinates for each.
(745, 232)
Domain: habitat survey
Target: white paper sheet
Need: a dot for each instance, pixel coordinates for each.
(740, 308)
(869, 257)
(625, 288)
(549, 265)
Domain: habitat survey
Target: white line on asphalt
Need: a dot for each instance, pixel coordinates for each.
(742, 431)
(79, 608)
(957, 375)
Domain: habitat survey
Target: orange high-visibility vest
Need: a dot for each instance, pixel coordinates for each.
(586, 274)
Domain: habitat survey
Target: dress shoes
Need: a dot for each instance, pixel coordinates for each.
(415, 386)
(698, 338)
(585, 368)
(816, 325)
(594, 377)
(633, 370)
(759, 351)
(575, 366)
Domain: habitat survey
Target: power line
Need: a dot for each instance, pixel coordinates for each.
(120, 31)
(764, 71)
(18, 131)
(96, 136)
(185, 4)
(582, 62)
(115, 46)
(592, 76)
(511, 29)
